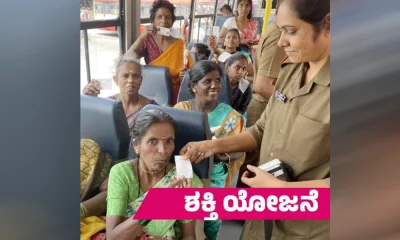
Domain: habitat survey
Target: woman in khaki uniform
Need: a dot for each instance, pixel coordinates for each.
(296, 121)
(267, 64)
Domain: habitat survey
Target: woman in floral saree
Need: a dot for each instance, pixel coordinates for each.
(205, 85)
(244, 22)
(130, 181)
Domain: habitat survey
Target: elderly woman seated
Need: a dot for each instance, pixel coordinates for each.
(128, 77)
(153, 140)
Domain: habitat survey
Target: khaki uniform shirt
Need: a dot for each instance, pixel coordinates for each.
(267, 61)
(297, 132)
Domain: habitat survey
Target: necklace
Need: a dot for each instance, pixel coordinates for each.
(152, 173)
(127, 113)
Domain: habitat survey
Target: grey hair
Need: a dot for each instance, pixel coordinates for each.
(126, 59)
(145, 119)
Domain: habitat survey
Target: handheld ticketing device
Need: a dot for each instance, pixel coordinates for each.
(278, 169)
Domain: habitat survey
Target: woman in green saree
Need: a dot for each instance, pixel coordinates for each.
(129, 182)
(205, 85)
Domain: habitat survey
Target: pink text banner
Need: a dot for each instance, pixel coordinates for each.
(235, 204)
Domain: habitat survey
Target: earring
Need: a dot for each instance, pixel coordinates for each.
(194, 90)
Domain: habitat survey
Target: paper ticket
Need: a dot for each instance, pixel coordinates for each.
(164, 31)
(175, 33)
(105, 83)
(215, 31)
(183, 167)
(224, 56)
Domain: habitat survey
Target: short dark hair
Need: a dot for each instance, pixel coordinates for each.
(235, 57)
(162, 4)
(202, 51)
(250, 15)
(199, 70)
(233, 30)
(145, 119)
(226, 7)
(310, 11)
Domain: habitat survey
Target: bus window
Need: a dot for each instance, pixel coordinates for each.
(106, 9)
(100, 42)
(104, 49)
(204, 13)
(99, 10)
(204, 19)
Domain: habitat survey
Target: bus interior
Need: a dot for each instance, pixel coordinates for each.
(109, 27)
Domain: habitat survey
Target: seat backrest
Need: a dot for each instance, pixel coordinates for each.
(219, 21)
(157, 84)
(190, 45)
(192, 127)
(104, 121)
(184, 94)
(205, 39)
(271, 18)
(260, 24)
(194, 56)
(225, 96)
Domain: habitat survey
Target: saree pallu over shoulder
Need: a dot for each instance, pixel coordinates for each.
(173, 59)
(168, 229)
(231, 123)
(95, 165)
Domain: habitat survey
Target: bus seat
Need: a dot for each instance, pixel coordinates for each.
(157, 84)
(104, 121)
(219, 21)
(192, 126)
(260, 21)
(225, 96)
(271, 18)
(205, 39)
(194, 56)
(190, 45)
